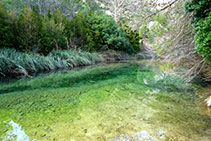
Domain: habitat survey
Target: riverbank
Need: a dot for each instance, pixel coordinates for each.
(14, 63)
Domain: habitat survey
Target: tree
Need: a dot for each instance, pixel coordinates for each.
(131, 12)
(7, 27)
(29, 24)
(52, 33)
(67, 7)
(106, 33)
(119, 8)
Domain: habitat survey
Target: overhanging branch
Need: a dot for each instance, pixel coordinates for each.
(169, 5)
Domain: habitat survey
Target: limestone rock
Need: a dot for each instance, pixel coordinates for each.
(208, 101)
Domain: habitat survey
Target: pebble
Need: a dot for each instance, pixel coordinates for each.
(140, 136)
(123, 137)
(43, 135)
(143, 135)
(35, 133)
(161, 134)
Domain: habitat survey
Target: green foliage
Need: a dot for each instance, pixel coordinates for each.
(203, 37)
(157, 30)
(52, 33)
(149, 33)
(161, 19)
(133, 37)
(97, 32)
(7, 21)
(79, 32)
(68, 7)
(202, 25)
(106, 33)
(154, 28)
(33, 31)
(159, 26)
(29, 24)
(42, 33)
(143, 30)
(89, 6)
(200, 8)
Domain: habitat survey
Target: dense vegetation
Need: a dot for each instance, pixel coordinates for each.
(202, 25)
(37, 37)
(42, 33)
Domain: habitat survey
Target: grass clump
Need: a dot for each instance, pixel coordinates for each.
(14, 63)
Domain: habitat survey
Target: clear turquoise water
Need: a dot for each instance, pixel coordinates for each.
(101, 102)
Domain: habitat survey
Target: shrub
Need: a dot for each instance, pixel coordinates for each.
(133, 37)
(97, 32)
(200, 9)
(202, 25)
(203, 37)
(106, 33)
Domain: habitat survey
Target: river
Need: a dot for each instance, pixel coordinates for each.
(121, 101)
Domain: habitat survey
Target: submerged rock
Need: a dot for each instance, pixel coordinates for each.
(153, 91)
(140, 136)
(208, 101)
(85, 130)
(145, 82)
(123, 137)
(16, 133)
(161, 134)
(144, 136)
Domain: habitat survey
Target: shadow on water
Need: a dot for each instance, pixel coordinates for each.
(14, 89)
(66, 79)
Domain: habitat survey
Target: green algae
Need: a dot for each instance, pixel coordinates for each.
(101, 102)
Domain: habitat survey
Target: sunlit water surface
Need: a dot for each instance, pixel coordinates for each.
(122, 101)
